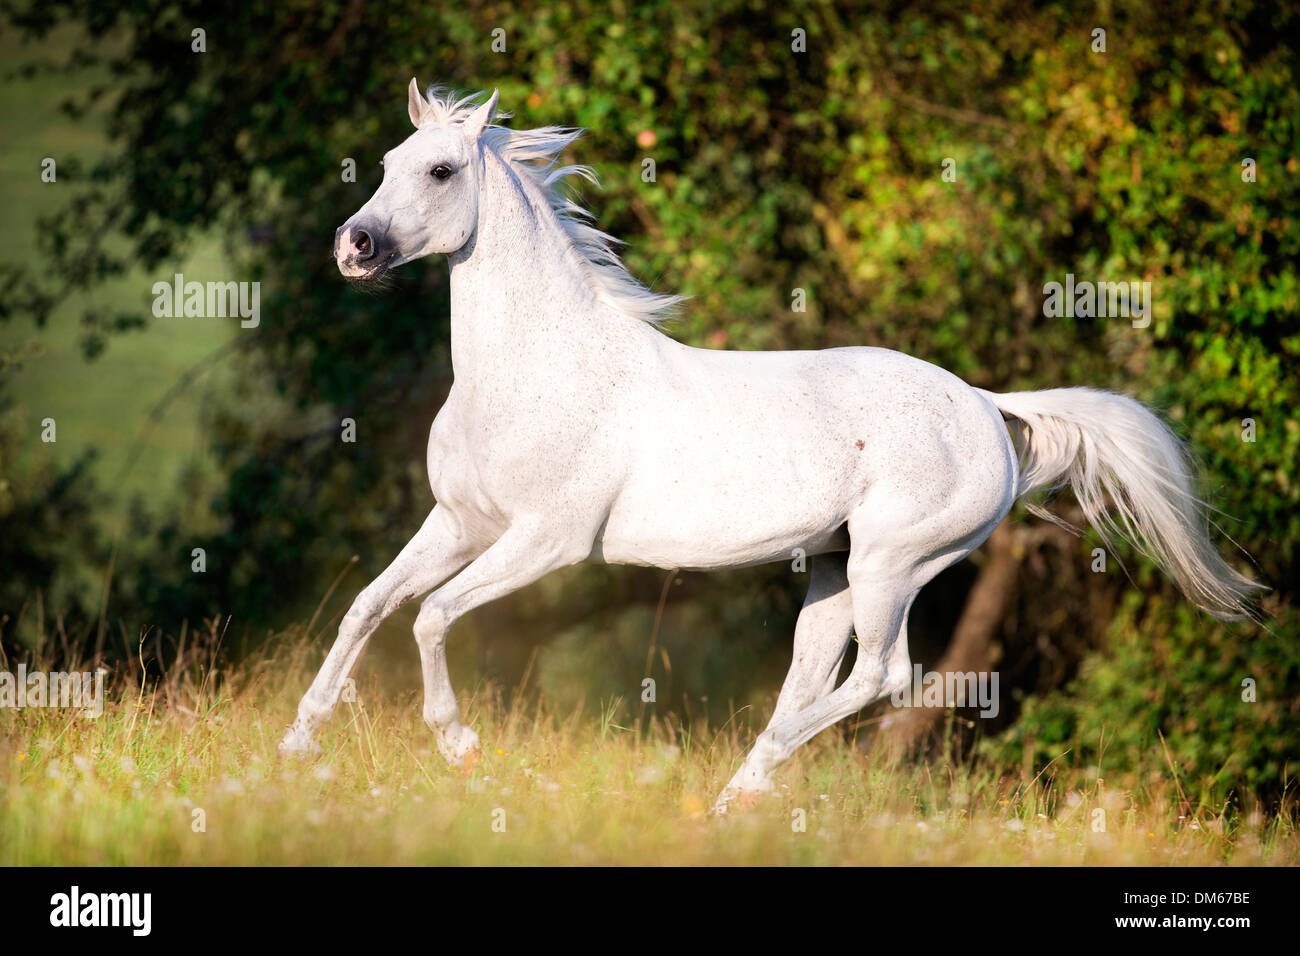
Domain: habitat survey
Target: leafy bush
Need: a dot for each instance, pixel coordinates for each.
(1222, 696)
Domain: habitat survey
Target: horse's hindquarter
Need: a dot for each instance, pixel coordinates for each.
(742, 457)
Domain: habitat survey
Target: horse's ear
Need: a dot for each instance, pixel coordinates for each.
(415, 104)
(478, 121)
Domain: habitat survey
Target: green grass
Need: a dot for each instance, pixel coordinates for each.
(571, 788)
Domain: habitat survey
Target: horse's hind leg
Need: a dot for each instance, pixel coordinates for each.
(880, 605)
(437, 551)
(885, 573)
(821, 636)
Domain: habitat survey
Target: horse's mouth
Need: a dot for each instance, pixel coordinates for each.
(375, 274)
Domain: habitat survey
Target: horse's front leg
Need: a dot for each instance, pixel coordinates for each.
(438, 550)
(519, 557)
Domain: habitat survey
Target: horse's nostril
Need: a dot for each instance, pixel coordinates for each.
(365, 248)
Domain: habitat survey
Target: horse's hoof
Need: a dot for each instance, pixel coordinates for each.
(296, 745)
(737, 801)
(460, 747)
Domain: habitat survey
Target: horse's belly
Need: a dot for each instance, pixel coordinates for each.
(666, 551)
(685, 523)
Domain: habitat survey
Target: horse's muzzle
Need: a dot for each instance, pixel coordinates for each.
(360, 249)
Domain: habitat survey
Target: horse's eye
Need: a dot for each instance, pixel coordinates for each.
(440, 172)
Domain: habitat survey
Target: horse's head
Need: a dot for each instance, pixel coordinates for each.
(428, 201)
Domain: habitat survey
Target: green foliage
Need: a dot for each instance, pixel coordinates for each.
(1169, 672)
(54, 508)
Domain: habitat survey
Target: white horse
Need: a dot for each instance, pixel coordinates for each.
(576, 430)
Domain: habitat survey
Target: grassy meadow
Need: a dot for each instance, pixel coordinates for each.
(181, 769)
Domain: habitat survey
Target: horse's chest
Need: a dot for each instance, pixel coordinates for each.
(493, 465)
(453, 468)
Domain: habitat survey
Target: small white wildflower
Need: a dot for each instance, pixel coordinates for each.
(649, 775)
(547, 784)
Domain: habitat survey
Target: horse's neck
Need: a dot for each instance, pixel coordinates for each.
(519, 300)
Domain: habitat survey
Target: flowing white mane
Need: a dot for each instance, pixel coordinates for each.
(533, 153)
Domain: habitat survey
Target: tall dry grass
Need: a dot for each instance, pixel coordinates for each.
(181, 769)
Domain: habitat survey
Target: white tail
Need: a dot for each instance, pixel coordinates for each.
(1108, 446)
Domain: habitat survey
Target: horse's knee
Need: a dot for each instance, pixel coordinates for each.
(366, 607)
(430, 626)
